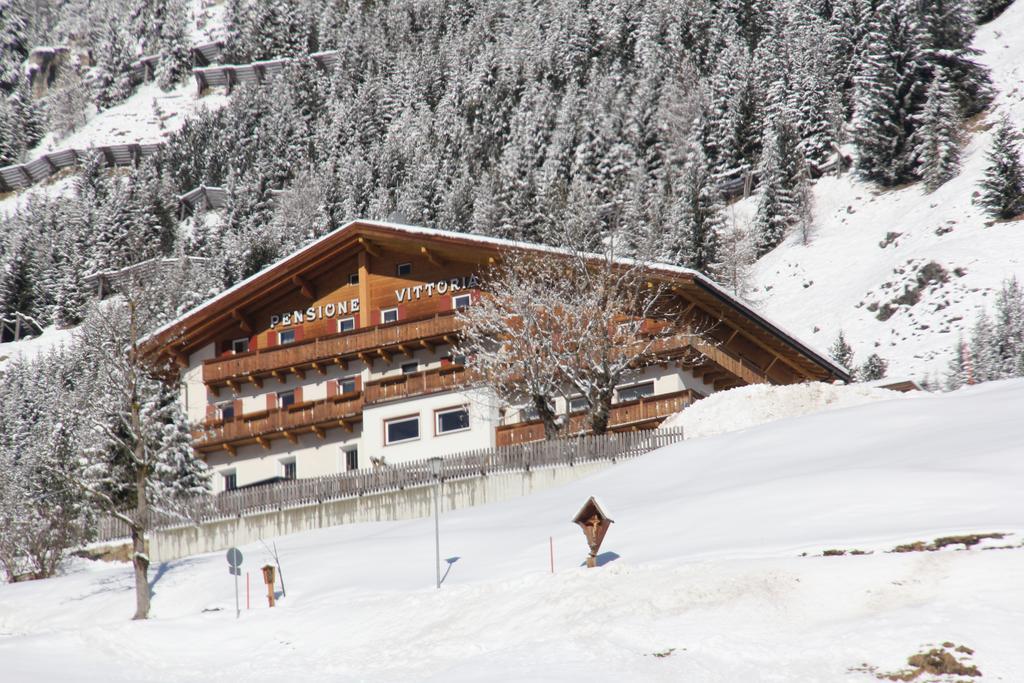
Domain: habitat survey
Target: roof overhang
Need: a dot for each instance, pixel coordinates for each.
(199, 325)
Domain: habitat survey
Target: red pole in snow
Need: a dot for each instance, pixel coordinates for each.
(551, 544)
(247, 590)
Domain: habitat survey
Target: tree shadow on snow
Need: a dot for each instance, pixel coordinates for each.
(162, 569)
(603, 559)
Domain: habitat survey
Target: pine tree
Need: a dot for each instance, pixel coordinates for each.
(889, 91)
(14, 45)
(948, 28)
(784, 196)
(958, 371)
(873, 369)
(937, 139)
(841, 352)
(695, 218)
(112, 73)
(987, 10)
(1008, 332)
(1002, 188)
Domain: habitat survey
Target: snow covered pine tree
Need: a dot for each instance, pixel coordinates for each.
(1002, 188)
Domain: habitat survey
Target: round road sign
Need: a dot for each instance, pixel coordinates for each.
(235, 557)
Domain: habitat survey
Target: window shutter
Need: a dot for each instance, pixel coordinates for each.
(237, 404)
(332, 388)
(300, 332)
(271, 400)
(446, 302)
(272, 338)
(298, 394)
(211, 411)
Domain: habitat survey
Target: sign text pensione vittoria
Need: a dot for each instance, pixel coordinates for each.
(351, 306)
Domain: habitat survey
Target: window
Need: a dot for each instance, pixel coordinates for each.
(286, 398)
(288, 466)
(240, 345)
(403, 269)
(389, 315)
(346, 385)
(529, 414)
(577, 403)
(453, 420)
(226, 411)
(402, 429)
(346, 324)
(352, 459)
(410, 367)
(461, 301)
(636, 391)
(353, 278)
(286, 336)
(230, 480)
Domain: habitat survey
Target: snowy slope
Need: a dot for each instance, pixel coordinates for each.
(844, 278)
(702, 565)
(51, 338)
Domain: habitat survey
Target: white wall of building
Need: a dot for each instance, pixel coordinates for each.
(193, 391)
(483, 417)
(313, 458)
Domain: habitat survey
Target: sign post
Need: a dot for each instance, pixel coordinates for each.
(234, 567)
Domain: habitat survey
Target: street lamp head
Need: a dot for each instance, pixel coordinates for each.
(435, 466)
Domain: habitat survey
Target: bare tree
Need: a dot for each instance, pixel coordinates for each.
(512, 334)
(570, 322)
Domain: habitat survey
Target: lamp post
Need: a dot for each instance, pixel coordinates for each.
(435, 470)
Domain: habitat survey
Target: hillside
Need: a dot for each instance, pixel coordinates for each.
(705, 576)
(871, 246)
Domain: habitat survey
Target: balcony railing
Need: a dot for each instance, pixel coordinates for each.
(373, 342)
(261, 427)
(640, 414)
(417, 384)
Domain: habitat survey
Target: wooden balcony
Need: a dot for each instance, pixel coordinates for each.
(416, 384)
(311, 416)
(367, 344)
(643, 413)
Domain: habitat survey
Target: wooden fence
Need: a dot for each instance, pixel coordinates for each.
(20, 176)
(18, 326)
(478, 463)
(255, 73)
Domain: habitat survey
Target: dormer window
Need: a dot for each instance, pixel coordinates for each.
(240, 345)
(403, 269)
(286, 337)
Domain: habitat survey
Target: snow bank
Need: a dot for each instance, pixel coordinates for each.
(749, 406)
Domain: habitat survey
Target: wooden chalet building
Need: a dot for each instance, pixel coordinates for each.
(338, 357)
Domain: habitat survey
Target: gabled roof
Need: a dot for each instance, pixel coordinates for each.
(182, 331)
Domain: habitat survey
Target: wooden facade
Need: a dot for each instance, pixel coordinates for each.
(357, 328)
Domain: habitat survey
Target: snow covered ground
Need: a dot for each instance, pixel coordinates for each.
(703, 577)
(149, 115)
(49, 339)
(871, 244)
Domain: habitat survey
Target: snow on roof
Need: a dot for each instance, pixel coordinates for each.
(699, 277)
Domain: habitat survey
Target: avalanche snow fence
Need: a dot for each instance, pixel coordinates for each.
(387, 493)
